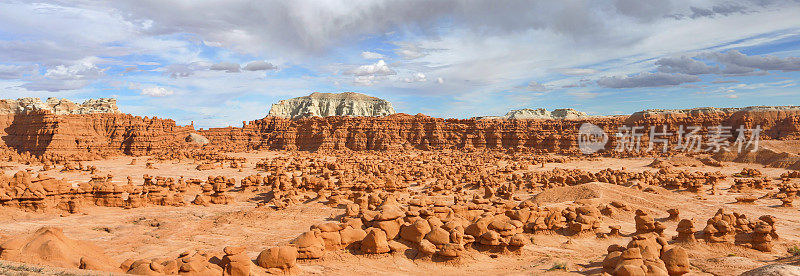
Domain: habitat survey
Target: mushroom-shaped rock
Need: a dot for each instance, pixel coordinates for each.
(685, 231)
(644, 222)
(674, 214)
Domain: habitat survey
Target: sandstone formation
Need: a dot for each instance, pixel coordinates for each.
(280, 258)
(88, 136)
(448, 206)
(777, 122)
(188, 263)
(441, 192)
(196, 138)
(57, 106)
(646, 254)
(774, 270)
(49, 246)
(402, 131)
(331, 104)
(541, 113)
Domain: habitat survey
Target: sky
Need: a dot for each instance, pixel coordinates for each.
(218, 63)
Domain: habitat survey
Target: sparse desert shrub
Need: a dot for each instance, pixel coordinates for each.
(794, 250)
(558, 266)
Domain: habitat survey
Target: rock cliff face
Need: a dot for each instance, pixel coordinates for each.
(401, 131)
(777, 122)
(331, 104)
(541, 113)
(45, 133)
(58, 106)
(85, 136)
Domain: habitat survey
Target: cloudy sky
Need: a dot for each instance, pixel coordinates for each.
(219, 63)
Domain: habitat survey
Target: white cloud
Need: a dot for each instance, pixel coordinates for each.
(65, 77)
(364, 80)
(83, 70)
(380, 68)
(410, 51)
(416, 77)
(9, 72)
(734, 96)
(483, 46)
(576, 71)
(371, 55)
(157, 91)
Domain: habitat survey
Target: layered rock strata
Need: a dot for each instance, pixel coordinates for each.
(401, 131)
(58, 106)
(45, 133)
(331, 104)
(540, 113)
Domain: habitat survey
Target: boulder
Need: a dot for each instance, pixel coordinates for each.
(235, 262)
(279, 257)
(676, 261)
(375, 242)
(415, 232)
(310, 245)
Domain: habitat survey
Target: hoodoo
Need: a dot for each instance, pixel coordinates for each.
(658, 154)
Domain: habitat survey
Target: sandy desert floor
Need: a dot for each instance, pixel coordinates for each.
(155, 231)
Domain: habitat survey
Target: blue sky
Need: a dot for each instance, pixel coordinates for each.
(219, 63)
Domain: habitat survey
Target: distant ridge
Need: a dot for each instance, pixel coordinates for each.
(332, 104)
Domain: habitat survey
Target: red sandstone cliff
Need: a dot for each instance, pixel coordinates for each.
(87, 135)
(404, 131)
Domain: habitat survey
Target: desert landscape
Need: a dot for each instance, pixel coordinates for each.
(338, 184)
(400, 137)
